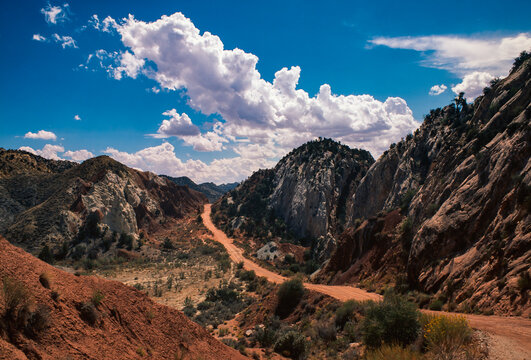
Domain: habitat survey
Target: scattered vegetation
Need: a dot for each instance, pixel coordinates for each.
(289, 295)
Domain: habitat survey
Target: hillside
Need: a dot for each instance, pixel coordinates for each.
(80, 317)
(47, 202)
(303, 199)
(447, 211)
(211, 190)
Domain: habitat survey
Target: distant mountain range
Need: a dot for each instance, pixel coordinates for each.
(211, 190)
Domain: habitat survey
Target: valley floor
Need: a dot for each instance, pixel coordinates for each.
(510, 337)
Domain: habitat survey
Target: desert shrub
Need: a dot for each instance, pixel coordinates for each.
(289, 295)
(78, 252)
(46, 255)
(239, 265)
(392, 352)
(88, 313)
(44, 279)
(246, 275)
(292, 344)
(351, 331)
(327, 331)
(97, 297)
(126, 240)
(55, 295)
(167, 244)
(524, 281)
(346, 311)
(37, 320)
(392, 321)
(446, 336)
(15, 296)
(436, 305)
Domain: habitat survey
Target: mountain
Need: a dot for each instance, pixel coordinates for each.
(211, 190)
(447, 211)
(52, 314)
(304, 198)
(48, 202)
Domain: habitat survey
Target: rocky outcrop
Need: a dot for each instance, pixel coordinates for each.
(304, 198)
(463, 185)
(49, 203)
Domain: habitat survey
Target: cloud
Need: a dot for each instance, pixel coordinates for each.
(437, 89)
(161, 159)
(65, 41)
(77, 117)
(55, 14)
(181, 126)
(463, 55)
(227, 82)
(41, 134)
(79, 155)
(49, 151)
(38, 37)
(108, 25)
(473, 84)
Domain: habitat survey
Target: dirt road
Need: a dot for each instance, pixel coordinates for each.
(511, 336)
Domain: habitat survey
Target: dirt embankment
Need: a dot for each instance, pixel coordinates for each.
(127, 324)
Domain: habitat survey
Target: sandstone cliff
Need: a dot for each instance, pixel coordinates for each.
(303, 197)
(463, 185)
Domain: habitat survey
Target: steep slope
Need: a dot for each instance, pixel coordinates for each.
(90, 318)
(211, 190)
(463, 185)
(49, 202)
(303, 197)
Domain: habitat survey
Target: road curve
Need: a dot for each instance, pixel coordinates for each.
(517, 329)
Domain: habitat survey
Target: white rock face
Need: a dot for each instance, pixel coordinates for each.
(269, 251)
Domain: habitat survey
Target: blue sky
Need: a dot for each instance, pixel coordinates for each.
(300, 73)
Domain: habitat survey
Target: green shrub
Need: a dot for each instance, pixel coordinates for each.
(327, 332)
(289, 295)
(436, 305)
(97, 297)
(292, 344)
(346, 311)
(46, 255)
(406, 198)
(446, 336)
(392, 321)
(37, 320)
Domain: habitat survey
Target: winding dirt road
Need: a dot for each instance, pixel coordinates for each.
(511, 336)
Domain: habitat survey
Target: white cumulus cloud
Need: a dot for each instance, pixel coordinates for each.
(473, 84)
(41, 134)
(437, 89)
(77, 117)
(49, 151)
(227, 82)
(78, 155)
(65, 41)
(55, 14)
(38, 37)
(161, 159)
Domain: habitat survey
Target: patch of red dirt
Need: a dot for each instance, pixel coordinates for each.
(129, 324)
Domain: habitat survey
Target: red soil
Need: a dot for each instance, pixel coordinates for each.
(130, 325)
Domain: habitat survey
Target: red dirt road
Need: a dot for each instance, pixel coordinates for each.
(513, 333)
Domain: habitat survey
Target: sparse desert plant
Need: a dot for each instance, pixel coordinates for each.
(446, 336)
(289, 295)
(97, 297)
(88, 313)
(436, 305)
(55, 295)
(15, 296)
(37, 320)
(347, 310)
(392, 352)
(45, 280)
(326, 331)
(392, 321)
(46, 254)
(292, 344)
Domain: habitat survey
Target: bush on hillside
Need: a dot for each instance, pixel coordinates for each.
(392, 321)
(446, 336)
(292, 344)
(289, 295)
